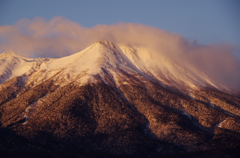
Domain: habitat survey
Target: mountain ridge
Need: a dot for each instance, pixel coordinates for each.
(107, 55)
(102, 102)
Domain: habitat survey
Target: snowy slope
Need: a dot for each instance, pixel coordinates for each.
(102, 57)
(174, 73)
(12, 65)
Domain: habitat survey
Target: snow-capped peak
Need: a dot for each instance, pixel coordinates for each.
(9, 53)
(107, 56)
(12, 65)
(90, 59)
(107, 44)
(81, 65)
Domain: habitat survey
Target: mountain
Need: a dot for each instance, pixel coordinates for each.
(112, 100)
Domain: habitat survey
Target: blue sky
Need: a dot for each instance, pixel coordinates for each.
(207, 21)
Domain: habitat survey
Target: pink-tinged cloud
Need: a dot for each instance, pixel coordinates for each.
(60, 37)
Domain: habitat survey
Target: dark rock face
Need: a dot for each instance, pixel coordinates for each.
(119, 120)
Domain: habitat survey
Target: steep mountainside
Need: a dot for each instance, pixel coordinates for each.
(111, 101)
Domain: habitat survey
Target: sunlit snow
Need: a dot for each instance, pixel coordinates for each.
(104, 55)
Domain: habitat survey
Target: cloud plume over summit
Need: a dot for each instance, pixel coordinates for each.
(60, 37)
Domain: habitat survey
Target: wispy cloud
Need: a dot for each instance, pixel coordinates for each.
(60, 37)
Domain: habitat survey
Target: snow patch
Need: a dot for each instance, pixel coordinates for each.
(220, 124)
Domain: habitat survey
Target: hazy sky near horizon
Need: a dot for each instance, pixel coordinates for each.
(206, 21)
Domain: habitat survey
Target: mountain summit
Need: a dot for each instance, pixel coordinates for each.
(111, 100)
(106, 57)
